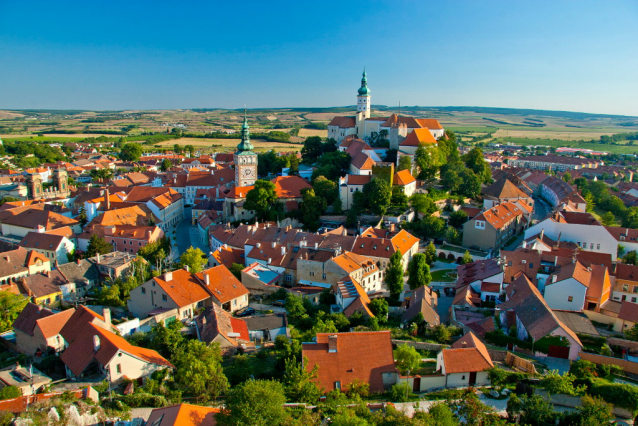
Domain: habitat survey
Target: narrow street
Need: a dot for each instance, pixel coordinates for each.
(187, 235)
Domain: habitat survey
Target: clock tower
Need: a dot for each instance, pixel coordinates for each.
(245, 159)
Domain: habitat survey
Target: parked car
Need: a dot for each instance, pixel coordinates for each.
(279, 303)
(244, 312)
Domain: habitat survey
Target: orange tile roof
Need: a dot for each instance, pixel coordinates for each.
(599, 285)
(223, 284)
(628, 311)
(362, 356)
(183, 415)
(404, 177)
(183, 288)
(239, 191)
(466, 360)
(350, 262)
(53, 324)
(289, 186)
(404, 241)
(419, 137)
(500, 215)
(430, 123)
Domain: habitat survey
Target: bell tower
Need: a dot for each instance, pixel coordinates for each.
(61, 182)
(363, 107)
(245, 158)
(34, 186)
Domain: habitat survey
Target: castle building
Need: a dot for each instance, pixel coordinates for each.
(245, 159)
(395, 128)
(35, 190)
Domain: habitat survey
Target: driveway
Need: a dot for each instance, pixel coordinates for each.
(262, 307)
(560, 364)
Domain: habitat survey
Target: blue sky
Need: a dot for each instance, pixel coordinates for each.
(561, 55)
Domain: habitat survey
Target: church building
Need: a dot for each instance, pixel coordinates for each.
(395, 128)
(245, 159)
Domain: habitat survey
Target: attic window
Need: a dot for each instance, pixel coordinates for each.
(387, 248)
(362, 245)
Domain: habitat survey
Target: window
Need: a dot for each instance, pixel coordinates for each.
(531, 265)
(633, 300)
(591, 246)
(119, 369)
(636, 289)
(597, 246)
(584, 245)
(570, 299)
(338, 385)
(164, 298)
(323, 276)
(143, 290)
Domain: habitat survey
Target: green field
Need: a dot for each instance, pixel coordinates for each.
(614, 149)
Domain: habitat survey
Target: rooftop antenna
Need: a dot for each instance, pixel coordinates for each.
(399, 109)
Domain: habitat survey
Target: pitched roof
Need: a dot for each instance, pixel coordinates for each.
(52, 325)
(28, 317)
(75, 325)
(215, 321)
(430, 123)
(628, 312)
(500, 215)
(503, 189)
(363, 356)
(182, 287)
(358, 179)
(599, 284)
(626, 272)
(350, 262)
(530, 307)
(223, 284)
(81, 352)
(425, 301)
(289, 186)
(574, 270)
(40, 241)
(183, 415)
(363, 161)
(477, 271)
(342, 122)
(468, 354)
(40, 285)
(79, 272)
(32, 218)
(404, 177)
(419, 137)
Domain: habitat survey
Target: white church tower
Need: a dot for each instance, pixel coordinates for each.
(363, 106)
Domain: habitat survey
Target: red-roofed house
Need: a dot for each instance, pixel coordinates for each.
(405, 181)
(349, 185)
(343, 358)
(494, 226)
(183, 415)
(465, 363)
(215, 325)
(39, 328)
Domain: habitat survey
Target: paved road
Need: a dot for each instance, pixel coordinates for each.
(541, 209)
(261, 307)
(187, 235)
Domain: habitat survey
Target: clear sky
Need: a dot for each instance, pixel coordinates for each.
(562, 55)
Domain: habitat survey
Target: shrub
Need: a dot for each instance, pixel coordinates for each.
(622, 395)
(359, 389)
(400, 392)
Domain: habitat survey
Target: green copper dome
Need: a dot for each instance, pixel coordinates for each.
(363, 90)
(245, 144)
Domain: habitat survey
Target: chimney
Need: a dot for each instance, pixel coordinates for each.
(168, 276)
(392, 227)
(96, 342)
(273, 244)
(554, 278)
(203, 320)
(283, 250)
(78, 260)
(148, 234)
(332, 343)
(98, 258)
(40, 229)
(187, 268)
(106, 312)
(207, 279)
(464, 344)
(110, 230)
(49, 274)
(107, 202)
(558, 240)
(269, 260)
(542, 234)
(524, 244)
(316, 246)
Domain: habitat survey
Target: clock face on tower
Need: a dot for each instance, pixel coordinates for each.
(248, 172)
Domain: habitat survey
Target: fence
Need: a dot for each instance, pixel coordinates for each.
(497, 355)
(520, 363)
(627, 366)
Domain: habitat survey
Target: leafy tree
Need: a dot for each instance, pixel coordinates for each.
(594, 411)
(567, 177)
(10, 392)
(394, 274)
(475, 161)
(236, 269)
(432, 227)
(131, 152)
(631, 258)
(167, 339)
(451, 175)
(430, 253)
(332, 165)
(255, 402)
(312, 149)
(418, 271)
(194, 259)
(405, 163)
(438, 414)
(166, 164)
(326, 189)
(608, 219)
(452, 236)
(198, 370)
(441, 333)
(295, 307)
(583, 369)
(156, 252)
(475, 413)
(533, 410)
(378, 195)
(631, 218)
(427, 161)
(422, 204)
(98, 245)
(261, 199)
(299, 384)
(10, 307)
(458, 218)
(407, 358)
(467, 258)
(312, 207)
(379, 308)
(399, 198)
(470, 184)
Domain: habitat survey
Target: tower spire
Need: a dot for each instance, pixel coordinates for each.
(245, 144)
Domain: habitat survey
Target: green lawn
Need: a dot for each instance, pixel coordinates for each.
(442, 275)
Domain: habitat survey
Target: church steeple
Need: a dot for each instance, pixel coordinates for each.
(363, 97)
(245, 144)
(363, 90)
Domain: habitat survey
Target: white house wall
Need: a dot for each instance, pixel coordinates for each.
(557, 295)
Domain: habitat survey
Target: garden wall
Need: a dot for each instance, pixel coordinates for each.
(420, 345)
(575, 401)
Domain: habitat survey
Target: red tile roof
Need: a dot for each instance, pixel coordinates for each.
(183, 415)
(28, 317)
(223, 284)
(468, 354)
(182, 287)
(419, 137)
(403, 178)
(500, 215)
(362, 356)
(342, 122)
(628, 312)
